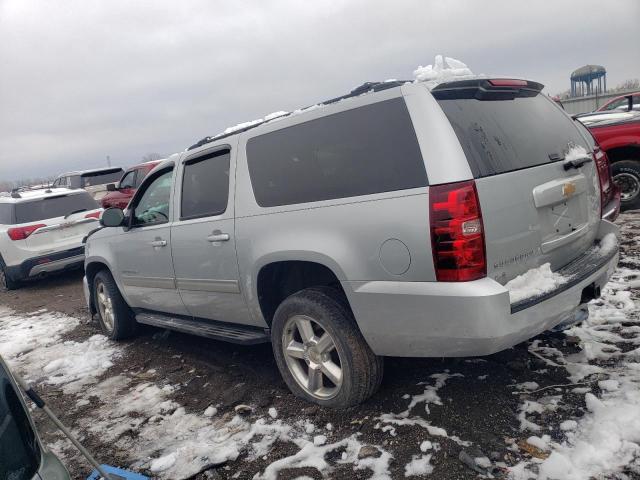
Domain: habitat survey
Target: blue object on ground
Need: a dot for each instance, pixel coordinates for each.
(117, 474)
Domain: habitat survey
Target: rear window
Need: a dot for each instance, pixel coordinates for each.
(500, 136)
(6, 214)
(52, 207)
(100, 178)
(370, 149)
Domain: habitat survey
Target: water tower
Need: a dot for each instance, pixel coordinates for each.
(589, 80)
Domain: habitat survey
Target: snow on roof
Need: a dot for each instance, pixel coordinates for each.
(92, 170)
(38, 193)
(444, 69)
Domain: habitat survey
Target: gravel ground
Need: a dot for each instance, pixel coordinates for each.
(480, 406)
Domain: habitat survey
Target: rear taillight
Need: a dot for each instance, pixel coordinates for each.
(93, 214)
(457, 237)
(20, 233)
(507, 82)
(608, 189)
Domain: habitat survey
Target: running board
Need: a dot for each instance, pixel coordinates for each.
(234, 333)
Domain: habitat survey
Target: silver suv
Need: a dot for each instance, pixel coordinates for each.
(393, 221)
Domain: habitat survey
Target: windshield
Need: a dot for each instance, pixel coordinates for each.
(52, 207)
(19, 451)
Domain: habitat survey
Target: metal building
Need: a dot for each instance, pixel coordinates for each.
(588, 80)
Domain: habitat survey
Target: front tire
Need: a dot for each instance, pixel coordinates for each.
(320, 352)
(114, 315)
(626, 174)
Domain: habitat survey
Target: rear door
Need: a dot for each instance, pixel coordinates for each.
(203, 239)
(537, 183)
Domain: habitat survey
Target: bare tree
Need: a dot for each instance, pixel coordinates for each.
(149, 157)
(631, 84)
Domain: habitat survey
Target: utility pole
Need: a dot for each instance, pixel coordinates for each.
(108, 161)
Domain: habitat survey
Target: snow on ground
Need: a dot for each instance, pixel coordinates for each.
(606, 439)
(141, 418)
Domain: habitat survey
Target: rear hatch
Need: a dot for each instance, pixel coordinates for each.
(537, 183)
(62, 220)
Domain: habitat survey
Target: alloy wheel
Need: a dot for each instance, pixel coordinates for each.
(105, 306)
(312, 357)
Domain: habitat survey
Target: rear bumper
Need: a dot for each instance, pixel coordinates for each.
(33, 267)
(439, 319)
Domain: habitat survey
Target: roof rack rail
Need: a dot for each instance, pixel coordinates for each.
(364, 88)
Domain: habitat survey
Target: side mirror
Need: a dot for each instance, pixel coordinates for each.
(111, 187)
(112, 217)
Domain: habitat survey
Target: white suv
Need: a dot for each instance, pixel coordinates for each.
(41, 231)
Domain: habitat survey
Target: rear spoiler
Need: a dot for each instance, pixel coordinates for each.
(487, 89)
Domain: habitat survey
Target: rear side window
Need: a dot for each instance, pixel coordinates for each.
(129, 180)
(370, 149)
(100, 178)
(205, 185)
(19, 451)
(52, 207)
(500, 136)
(6, 214)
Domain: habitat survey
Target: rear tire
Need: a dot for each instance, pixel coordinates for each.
(626, 174)
(320, 352)
(114, 315)
(6, 282)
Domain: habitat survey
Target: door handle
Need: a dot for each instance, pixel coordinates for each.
(218, 237)
(159, 243)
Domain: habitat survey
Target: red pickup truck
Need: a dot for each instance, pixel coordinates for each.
(118, 195)
(618, 133)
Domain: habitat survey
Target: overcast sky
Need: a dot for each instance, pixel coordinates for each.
(82, 79)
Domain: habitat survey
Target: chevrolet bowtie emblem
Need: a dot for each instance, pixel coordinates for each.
(568, 189)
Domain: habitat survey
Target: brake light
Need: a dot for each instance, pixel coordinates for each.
(507, 82)
(608, 189)
(457, 236)
(20, 233)
(95, 214)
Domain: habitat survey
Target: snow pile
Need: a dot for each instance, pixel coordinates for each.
(419, 465)
(608, 243)
(576, 152)
(444, 69)
(34, 347)
(606, 439)
(534, 283)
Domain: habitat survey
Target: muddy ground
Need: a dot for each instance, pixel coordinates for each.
(480, 410)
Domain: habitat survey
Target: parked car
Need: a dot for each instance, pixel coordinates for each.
(118, 195)
(384, 224)
(618, 134)
(622, 103)
(23, 456)
(41, 231)
(93, 181)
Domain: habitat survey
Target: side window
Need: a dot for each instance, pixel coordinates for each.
(205, 185)
(369, 149)
(152, 207)
(129, 180)
(141, 175)
(74, 182)
(18, 446)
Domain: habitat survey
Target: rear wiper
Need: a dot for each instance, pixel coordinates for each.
(577, 162)
(74, 212)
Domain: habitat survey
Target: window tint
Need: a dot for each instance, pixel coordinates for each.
(6, 214)
(500, 136)
(19, 451)
(101, 178)
(366, 150)
(52, 207)
(205, 185)
(129, 180)
(153, 207)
